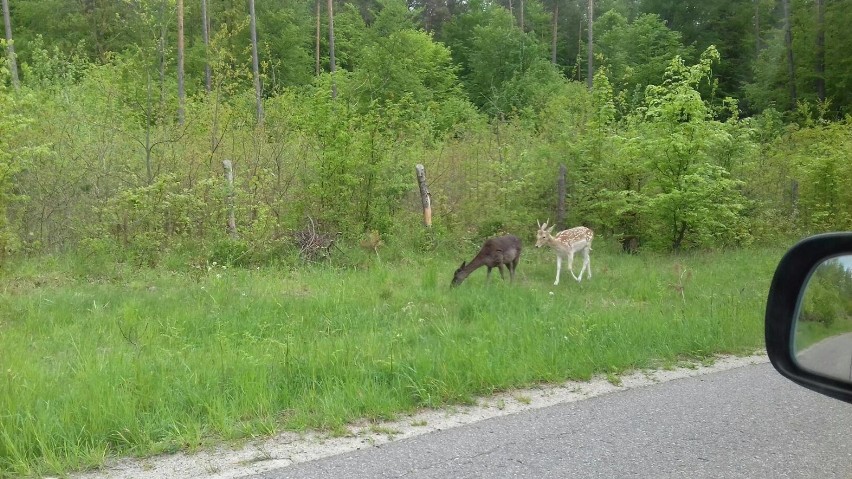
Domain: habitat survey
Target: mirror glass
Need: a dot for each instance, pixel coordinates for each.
(823, 332)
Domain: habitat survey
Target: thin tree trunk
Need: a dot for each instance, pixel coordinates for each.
(205, 33)
(317, 50)
(149, 169)
(181, 92)
(788, 41)
(89, 12)
(161, 51)
(579, 49)
(229, 178)
(794, 199)
(214, 130)
(553, 37)
(756, 29)
(561, 192)
(820, 50)
(10, 46)
(332, 66)
(591, 70)
(254, 63)
(522, 15)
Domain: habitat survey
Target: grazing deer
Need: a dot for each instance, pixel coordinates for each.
(566, 243)
(495, 252)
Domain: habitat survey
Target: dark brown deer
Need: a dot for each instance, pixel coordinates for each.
(495, 253)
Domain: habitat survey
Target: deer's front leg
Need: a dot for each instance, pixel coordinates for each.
(500, 267)
(558, 268)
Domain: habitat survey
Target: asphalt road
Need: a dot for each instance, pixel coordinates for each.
(832, 357)
(743, 423)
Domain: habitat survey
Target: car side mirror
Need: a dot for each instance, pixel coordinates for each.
(809, 315)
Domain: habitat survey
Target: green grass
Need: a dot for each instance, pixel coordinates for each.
(142, 362)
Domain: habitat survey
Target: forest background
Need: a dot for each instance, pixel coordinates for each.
(685, 125)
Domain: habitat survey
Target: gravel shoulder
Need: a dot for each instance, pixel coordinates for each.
(285, 449)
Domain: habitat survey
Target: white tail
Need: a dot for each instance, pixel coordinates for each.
(565, 244)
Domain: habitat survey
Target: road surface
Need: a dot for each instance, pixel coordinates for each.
(747, 422)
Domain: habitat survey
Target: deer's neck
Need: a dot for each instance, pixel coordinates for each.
(475, 263)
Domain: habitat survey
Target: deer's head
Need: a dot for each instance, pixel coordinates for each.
(459, 275)
(543, 234)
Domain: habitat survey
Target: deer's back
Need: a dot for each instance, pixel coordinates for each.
(502, 249)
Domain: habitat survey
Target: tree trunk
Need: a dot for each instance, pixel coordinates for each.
(149, 167)
(161, 52)
(317, 50)
(820, 50)
(579, 49)
(553, 37)
(254, 63)
(229, 178)
(331, 66)
(591, 71)
(788, 41)
(425, 196)
(561, 191)
(181, 92)
(205, 34)
(756, 29)
(89, 12)
(679, 235)
(794, 200)
(10, 46)
(522, 15)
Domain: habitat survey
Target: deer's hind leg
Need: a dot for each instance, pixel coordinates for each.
(587, 266)
(571, 267)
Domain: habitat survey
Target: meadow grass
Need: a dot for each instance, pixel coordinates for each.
(146, 361)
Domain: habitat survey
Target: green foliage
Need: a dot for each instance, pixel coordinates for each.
(654, 151)
(495, 58)
(637, 53)
(664, 176)
(144, 221)
(13, 157)
(828, 297)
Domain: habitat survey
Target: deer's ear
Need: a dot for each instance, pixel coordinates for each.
(550, 230)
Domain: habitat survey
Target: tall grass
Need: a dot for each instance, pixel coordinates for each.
(141, 362)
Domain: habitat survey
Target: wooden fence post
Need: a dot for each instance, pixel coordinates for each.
(425, 196)
(229, 178)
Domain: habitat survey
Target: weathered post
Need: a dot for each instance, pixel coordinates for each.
(425, 196)
(229, 178)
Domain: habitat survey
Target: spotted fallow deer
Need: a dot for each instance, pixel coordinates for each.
(565, 244)
(495, 253)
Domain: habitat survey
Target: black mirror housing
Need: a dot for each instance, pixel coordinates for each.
(782, 306)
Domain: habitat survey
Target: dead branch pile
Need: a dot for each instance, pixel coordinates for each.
(314, 245)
